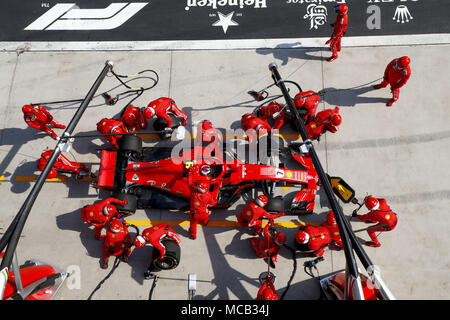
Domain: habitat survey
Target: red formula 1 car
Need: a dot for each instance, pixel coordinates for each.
(150, 177)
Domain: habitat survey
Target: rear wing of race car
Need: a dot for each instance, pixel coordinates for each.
(107, 170)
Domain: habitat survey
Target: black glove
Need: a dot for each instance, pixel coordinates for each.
(354, 214)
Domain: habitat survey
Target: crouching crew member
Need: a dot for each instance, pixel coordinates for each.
(117, 242)
(98, 214)
(313, 239)
(133, 119)
(267, 290)
(326, 120)
(62, 165)
(381, 213)
(161, 108)
(332, 227)
(112, 126)
(270, 244)
(252, 214)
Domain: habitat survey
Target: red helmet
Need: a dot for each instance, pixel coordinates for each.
(149, 112)
(109, 210)
(342, 8)
(301, 237)
(267, 294)
(129, 118)
(117, 129)
(372, 203)
(403, 62)
(202, 187)
(261, 201)
(115, 225)
(330, 218)
(27, 109)
(336, 119)
(279, 238)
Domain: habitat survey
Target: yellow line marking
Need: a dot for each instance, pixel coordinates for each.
(33, 178)
(216, 223)
(289, 136)
(2, 178)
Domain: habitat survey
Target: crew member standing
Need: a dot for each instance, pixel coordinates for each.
(201, 199)
(38, 117)
(397, 73)
(340, 26)
(379, 212)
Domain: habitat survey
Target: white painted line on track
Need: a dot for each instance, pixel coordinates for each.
(284, 43)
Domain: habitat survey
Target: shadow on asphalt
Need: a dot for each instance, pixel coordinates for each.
(286, 51)
(351, 97)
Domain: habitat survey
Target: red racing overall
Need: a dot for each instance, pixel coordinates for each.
(386, 218)
(62, 163)
(39, 118)
(251, 216)
(154, 235)
(339, 29)
(108, 126)
(94, 214)
(397, 73)
(161, 107)
(133, 119)
(274, 111)
(307, 102)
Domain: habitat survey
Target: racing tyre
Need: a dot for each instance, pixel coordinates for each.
(160, 124)
(131, 144)
(275, 205)
(131, 206)
(171, 259)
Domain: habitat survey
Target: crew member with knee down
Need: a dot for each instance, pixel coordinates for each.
(306, 103)
(333, 229)
(251, 215)
(313, 239)
(133, 119)
(98, 214)
(37, 117)
(339, 29)
(397, 73)
(267, 290)
(326, 120)
(274, 111)
(155, 235)
(62, 164)
(161, 107)
(117, 241)
(112, 126)
(270, 244)
(379, 213)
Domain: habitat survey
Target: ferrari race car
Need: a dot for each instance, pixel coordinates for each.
(155, 177)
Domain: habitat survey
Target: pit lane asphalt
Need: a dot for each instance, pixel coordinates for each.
(400, 153)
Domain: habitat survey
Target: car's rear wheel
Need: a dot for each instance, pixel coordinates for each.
(130, 144)
(130, 207)
(171, 258)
